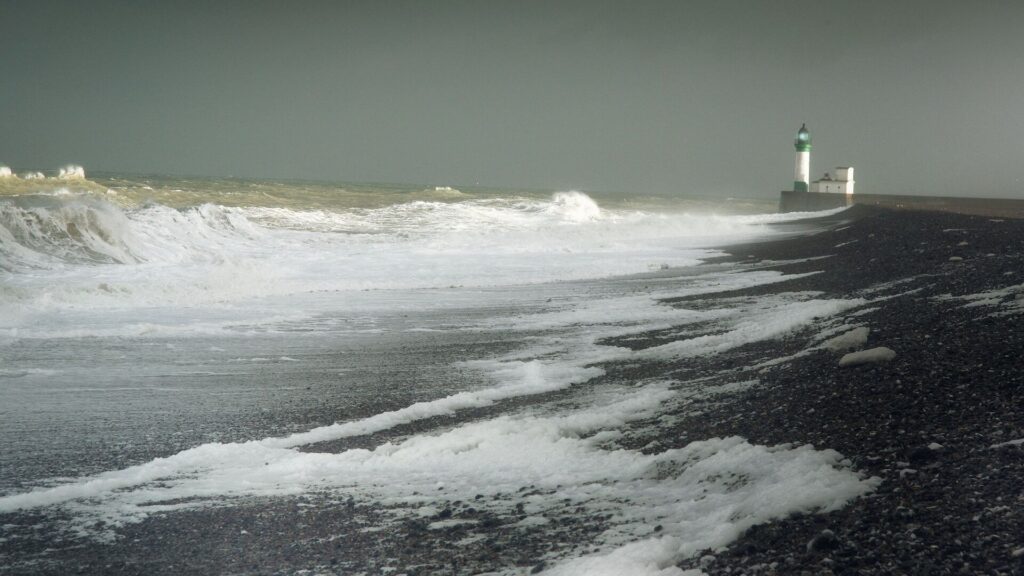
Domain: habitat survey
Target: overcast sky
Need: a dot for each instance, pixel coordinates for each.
(651, 97)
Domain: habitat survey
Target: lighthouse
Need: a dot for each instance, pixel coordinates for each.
(802, 176)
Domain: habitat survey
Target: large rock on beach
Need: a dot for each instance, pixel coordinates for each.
(878, 355)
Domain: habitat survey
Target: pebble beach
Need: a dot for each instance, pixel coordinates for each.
(940, 423)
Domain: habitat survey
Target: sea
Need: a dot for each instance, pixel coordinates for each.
(172, 347)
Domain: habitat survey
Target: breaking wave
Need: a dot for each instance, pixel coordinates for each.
(44, 231)
(49, 231)
(574, 206)
(84, 251)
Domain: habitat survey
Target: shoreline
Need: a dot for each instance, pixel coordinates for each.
(953, 382)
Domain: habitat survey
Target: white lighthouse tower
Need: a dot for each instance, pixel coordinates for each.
(802, 176)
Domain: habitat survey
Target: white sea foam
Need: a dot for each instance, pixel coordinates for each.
(646, 309)
(768, 317)
(519, 379)
(764, 321)
(514, 379)
(1007, 300)
(716, 490)
(704, 495)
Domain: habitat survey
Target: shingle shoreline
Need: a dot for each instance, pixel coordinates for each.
(925, 422)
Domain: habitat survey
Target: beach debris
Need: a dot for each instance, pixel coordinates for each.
(855, 338)
(955, 258)
(872, 356)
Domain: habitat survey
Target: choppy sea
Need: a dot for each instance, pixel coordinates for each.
(173, 344)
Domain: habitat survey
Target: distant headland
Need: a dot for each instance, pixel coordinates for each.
(68, 178)
(69, 172)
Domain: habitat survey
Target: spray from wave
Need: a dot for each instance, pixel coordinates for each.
(574, 206)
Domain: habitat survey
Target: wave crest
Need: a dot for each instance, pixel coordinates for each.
(574, 206)
(39, 232)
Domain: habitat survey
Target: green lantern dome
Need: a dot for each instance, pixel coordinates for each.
(803, 139)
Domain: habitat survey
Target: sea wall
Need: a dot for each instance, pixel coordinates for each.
(790, 201)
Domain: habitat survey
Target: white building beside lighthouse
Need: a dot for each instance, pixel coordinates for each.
(841, 183)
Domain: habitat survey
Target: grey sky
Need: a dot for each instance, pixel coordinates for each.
(663, 97)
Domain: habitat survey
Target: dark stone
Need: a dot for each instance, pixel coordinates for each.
(823, 542)
(921, 455)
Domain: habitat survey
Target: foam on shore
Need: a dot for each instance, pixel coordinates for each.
(703, 495)
(562, 452)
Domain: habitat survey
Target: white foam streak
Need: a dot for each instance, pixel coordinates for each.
(764, 324)
(515, 379)
(523, 379)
